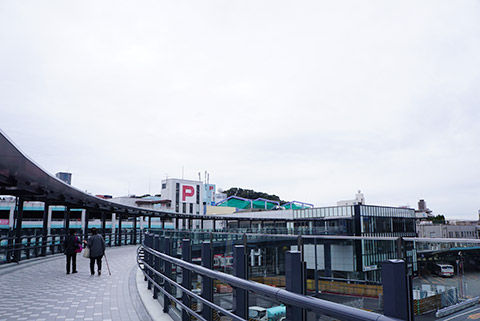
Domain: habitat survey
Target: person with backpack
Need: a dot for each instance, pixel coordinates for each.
(72, 246)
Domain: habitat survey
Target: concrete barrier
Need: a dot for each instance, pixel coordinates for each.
(457, 307)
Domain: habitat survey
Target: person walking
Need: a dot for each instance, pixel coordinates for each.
(71, 247)
(96, 244)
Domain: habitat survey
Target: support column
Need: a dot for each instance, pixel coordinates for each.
(85, 227)
(18, 232)
(186, 277)
(11, 217)
(82, 220)
(134, 240)
(240, 296)
(49, 220)
(149, 222)
(66, 220)
(113, 234)
(141, 223)
(46, 208)
(327, 252)
(119, 240)
(207, 292)
(104, 223)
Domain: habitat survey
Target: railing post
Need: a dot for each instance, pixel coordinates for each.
(294, 274)
(207, 283)
(397, 290)
(156, 265)
(240, 296)
(186, 277)
(52, 245)
(29, 244)
(149, 259)
(37, 247)
(145, 256)
(168, 273)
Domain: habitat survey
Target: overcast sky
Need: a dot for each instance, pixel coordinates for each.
(308, 100)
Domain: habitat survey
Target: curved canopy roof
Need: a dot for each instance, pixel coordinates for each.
(20, 176)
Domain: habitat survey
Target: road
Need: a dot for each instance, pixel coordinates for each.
(472, 289)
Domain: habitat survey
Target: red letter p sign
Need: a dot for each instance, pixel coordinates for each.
(187, 191)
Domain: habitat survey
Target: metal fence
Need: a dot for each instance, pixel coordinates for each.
(13, 249)
(157, 262)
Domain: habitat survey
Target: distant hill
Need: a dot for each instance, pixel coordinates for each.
(251, 194)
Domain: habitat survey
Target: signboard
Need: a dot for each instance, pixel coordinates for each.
(370, 268)
(188, 193)
(4, 222)
(209, 193)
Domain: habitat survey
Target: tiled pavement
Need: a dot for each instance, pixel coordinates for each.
(41, 290)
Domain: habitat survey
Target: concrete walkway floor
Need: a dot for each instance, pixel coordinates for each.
(40, 289)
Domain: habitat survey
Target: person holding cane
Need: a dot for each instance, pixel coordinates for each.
(96, 244)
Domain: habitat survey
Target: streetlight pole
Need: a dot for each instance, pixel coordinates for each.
(462, 264)
(458, 273)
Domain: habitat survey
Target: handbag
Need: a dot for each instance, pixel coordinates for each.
(78, 246)
(86, 253)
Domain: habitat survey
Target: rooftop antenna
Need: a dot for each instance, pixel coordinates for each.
(199, 176)
(149, 184)
(182, 171)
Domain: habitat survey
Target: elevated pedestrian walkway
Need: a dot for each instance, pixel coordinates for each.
(40, 289)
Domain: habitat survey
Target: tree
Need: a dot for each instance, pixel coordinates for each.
(251, 194)
(439, 219)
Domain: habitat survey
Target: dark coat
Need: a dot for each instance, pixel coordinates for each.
(96, 244)
(71, 244)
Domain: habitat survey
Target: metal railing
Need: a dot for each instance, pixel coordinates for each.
(14, 249)
(157, 262)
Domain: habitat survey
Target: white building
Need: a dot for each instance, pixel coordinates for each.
(182, 196)
(359, 199)
(427, 229)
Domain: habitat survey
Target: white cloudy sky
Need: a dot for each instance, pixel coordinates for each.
(309, 100)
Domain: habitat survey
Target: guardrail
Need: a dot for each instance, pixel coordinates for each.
(457, 307)
(157, 262)
(14, 249)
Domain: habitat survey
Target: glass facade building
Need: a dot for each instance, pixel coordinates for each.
(366, 221)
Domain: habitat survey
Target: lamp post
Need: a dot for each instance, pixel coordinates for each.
(460, 280)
